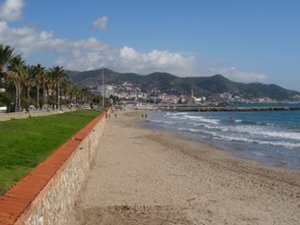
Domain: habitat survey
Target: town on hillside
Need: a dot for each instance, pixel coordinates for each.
(128, 92)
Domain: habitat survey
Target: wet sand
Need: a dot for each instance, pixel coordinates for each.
(146, 177)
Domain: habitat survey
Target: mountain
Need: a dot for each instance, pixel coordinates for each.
(171, 84)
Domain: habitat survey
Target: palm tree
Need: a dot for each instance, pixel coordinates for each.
(39, 74)
(29, 82)
(45, 80)
(72, 92)
(6, 54)
(17, 73)
(86, 93)
(58, 75)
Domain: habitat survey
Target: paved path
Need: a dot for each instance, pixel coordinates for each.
(21, 115)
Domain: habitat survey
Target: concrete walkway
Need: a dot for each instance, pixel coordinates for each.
(33, 113)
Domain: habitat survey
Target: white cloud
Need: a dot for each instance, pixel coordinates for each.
(234, 74)
(11, 10)
(100, 23)
(90, 53)
(26, 40)
(156, 60)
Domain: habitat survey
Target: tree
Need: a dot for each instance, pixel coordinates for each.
(86, 94)
(29, 82)
(17, 74)
(6, 54)
(58, 74)
(66, 90)
(73, 93)
(39, 75)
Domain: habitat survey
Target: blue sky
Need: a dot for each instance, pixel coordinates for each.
(246, 41)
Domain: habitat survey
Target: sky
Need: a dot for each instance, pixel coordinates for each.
(244, 40)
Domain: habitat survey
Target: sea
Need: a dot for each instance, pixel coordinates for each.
(270, 138)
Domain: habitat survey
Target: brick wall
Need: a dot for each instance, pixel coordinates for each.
(48, 193)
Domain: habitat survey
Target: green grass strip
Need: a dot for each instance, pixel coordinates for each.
(25, 143)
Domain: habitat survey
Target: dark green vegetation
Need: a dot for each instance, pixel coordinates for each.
(23, 86)
(202, 86)
(25, 143)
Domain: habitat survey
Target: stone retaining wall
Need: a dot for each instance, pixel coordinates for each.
(48, 193)
(34, 113)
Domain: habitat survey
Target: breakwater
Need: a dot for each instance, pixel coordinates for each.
(227, 109)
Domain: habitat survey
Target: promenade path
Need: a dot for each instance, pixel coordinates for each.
(144, 177)
(21, 115)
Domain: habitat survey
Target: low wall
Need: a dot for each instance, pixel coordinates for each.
(34, 113)
(48, 193)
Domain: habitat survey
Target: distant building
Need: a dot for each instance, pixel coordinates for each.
(194, 100)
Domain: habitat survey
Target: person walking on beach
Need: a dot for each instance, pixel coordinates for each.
(142, 116)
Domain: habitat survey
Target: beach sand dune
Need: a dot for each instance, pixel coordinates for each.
(145, 177)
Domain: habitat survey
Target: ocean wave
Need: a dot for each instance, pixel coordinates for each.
(274, 143)
(252, 130)
(162, 121)
(248, 122)
(259, 131)
(202, 119)
(242, 130)
(236, 137)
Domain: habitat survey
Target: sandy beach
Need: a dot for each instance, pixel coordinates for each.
(146, 177)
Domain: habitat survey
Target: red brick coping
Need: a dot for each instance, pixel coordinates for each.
(15, 202)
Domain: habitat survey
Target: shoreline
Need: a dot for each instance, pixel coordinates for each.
(219, 155)
(146, 177)
(242, 151)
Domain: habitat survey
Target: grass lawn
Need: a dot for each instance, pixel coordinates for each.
(25, 143)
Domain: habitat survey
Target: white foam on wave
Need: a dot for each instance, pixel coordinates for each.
(177, 117)
(181, 128)
(193, 130)
(257, 131)
(202, 119)
(265, 135)
(263, 131)
(222, 136)
(161, 121)
(274, 143)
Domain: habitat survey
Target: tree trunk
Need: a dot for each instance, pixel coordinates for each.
(44, 95)
(28, 97)
(70, 97)
(38, 96)
(17, 95)
(57, 96)
(19, 98)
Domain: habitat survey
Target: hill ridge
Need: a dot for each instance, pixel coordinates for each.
(172, 84)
